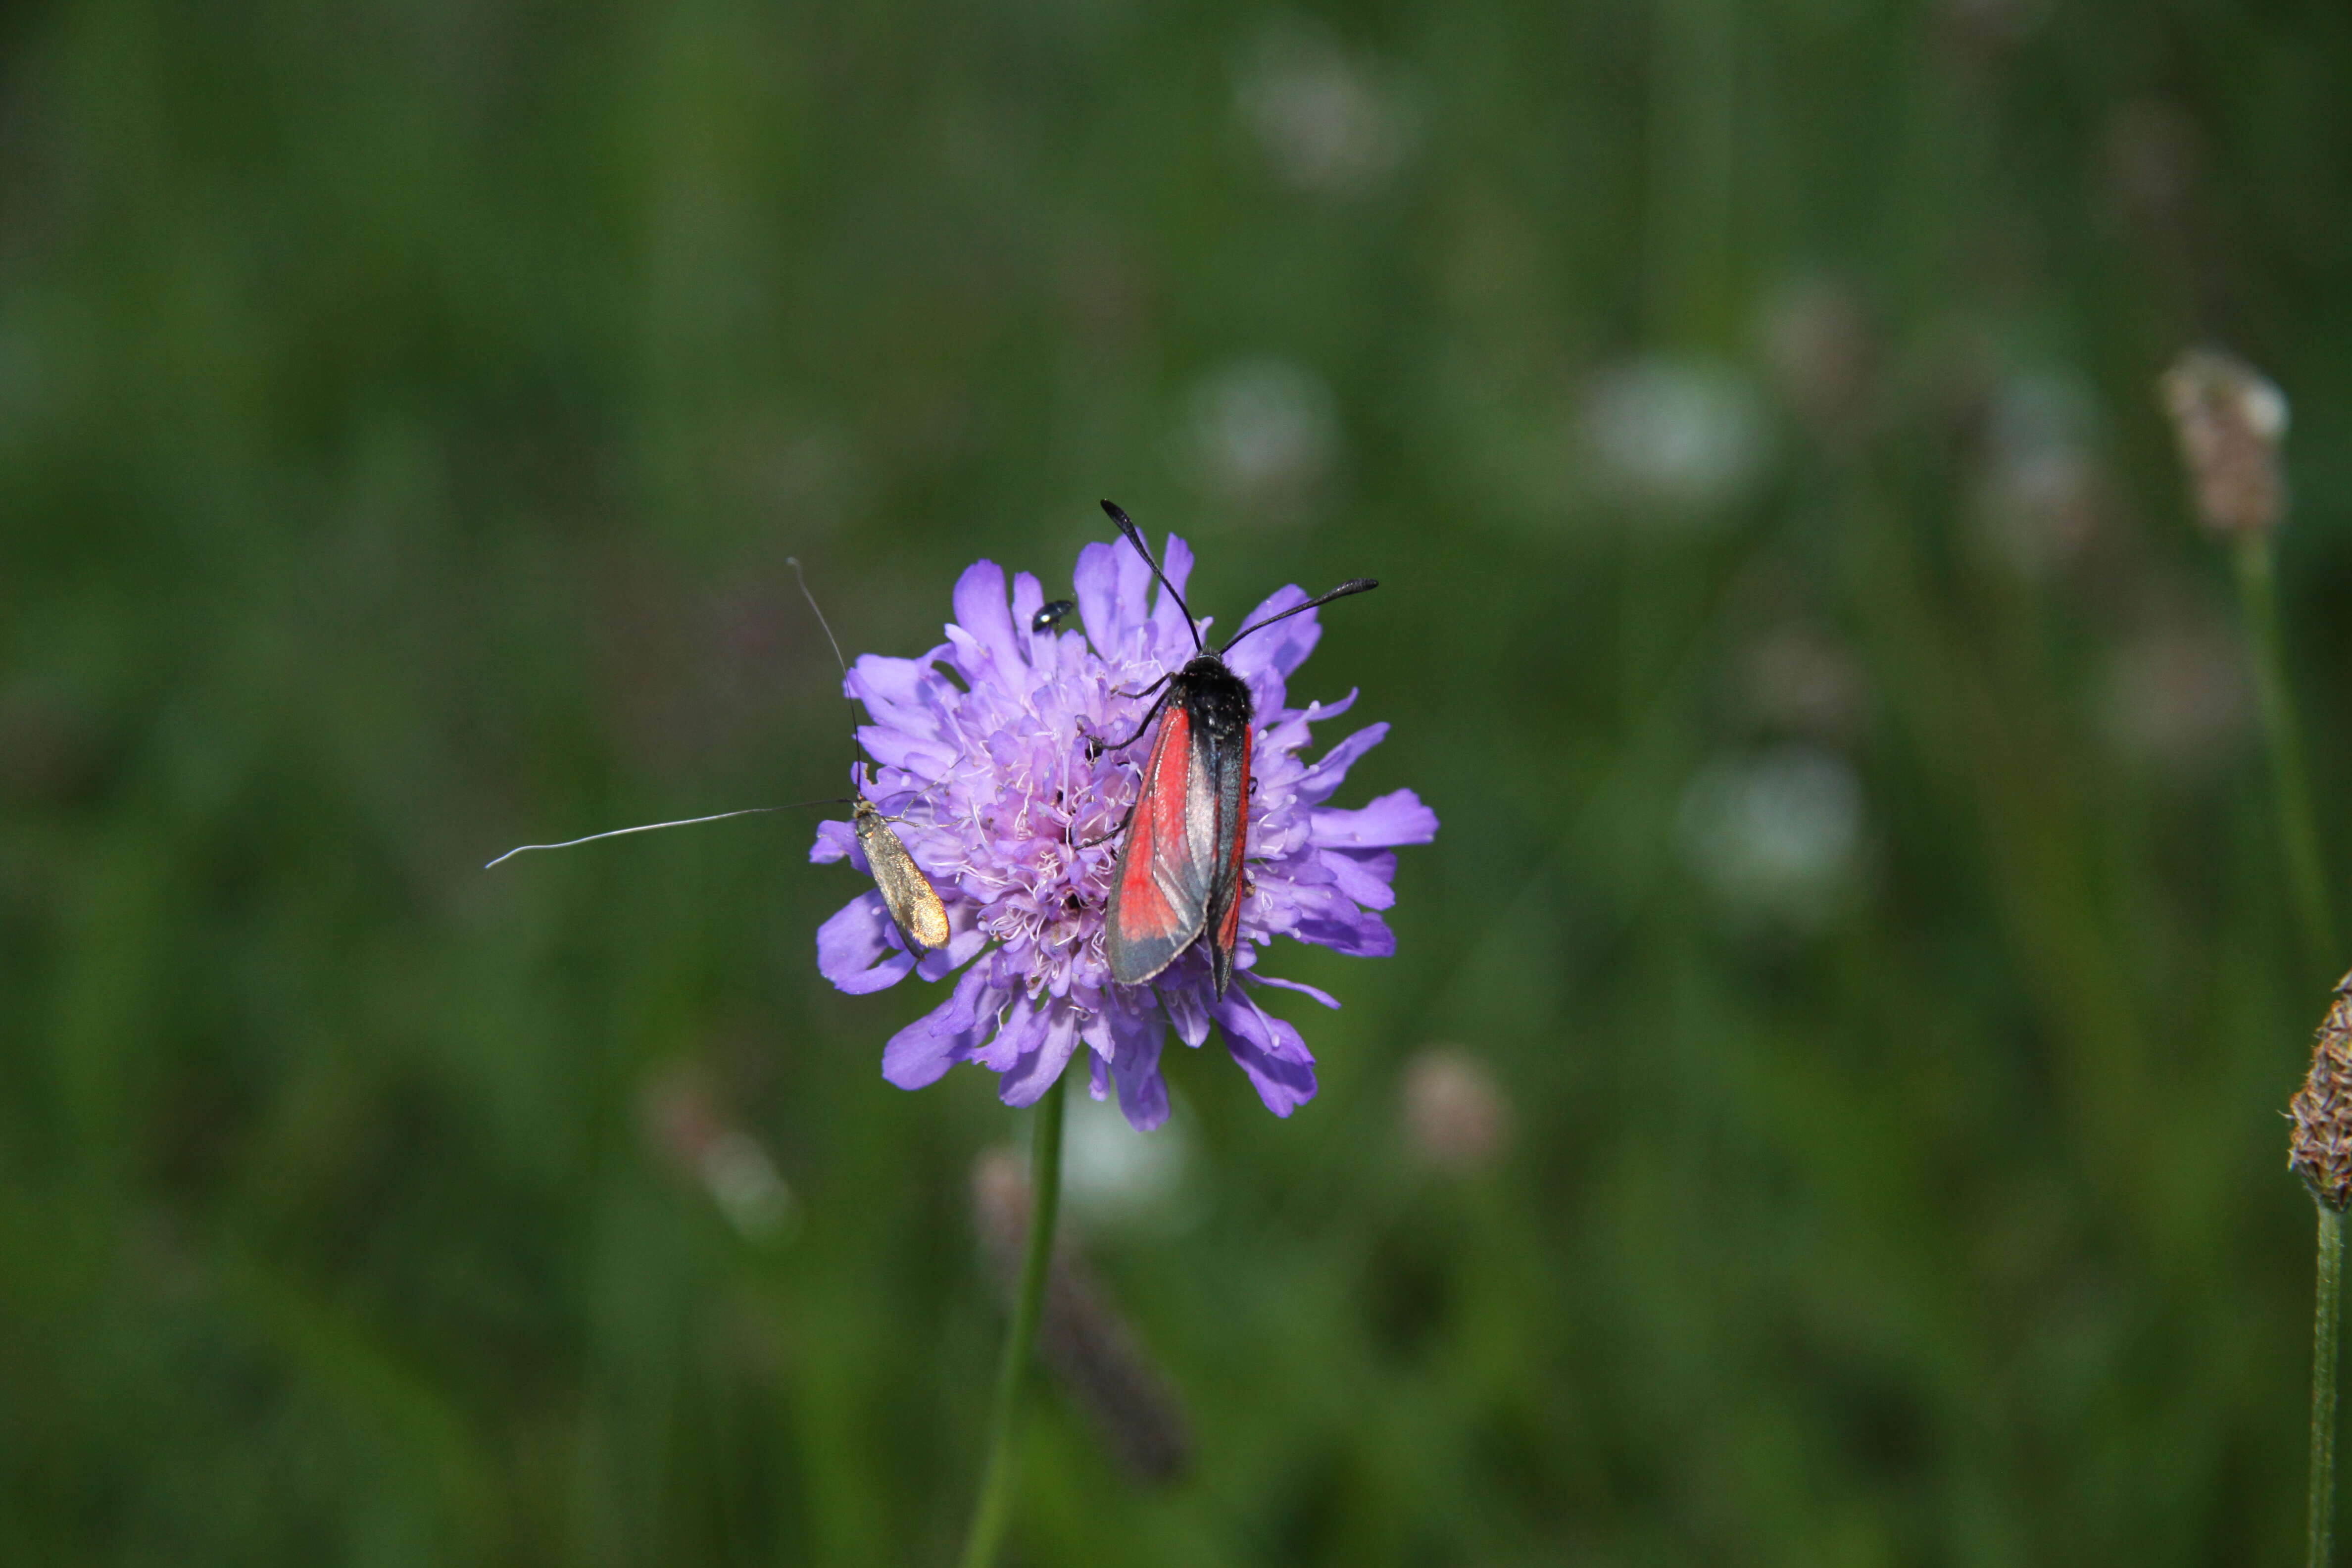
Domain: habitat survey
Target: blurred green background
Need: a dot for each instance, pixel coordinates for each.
(1858, 885)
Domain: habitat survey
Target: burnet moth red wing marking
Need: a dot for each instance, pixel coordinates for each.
(908, 894)
(1049, 615)
(1178, 873)
(914, 904)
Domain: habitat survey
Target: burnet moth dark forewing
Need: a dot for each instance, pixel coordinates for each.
(1178, 873)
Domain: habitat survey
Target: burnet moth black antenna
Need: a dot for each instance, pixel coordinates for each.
(1352, 585)
(1135, 537)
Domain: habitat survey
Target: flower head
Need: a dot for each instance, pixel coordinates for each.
(2229, 419)
(2320, 1149)
(982, 745)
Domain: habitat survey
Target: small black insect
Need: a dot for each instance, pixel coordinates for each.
(1049, 618)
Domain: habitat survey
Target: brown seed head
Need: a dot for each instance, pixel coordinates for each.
(2229, 420)
(2320, 1150)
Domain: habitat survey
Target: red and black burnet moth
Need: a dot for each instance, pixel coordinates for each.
(1178, 873)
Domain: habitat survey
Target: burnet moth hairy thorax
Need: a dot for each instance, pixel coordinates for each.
(1179, 874)
(914, 904)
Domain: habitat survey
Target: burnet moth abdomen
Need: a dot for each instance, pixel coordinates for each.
(1178, 873)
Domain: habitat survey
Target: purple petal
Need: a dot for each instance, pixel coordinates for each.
(1264, 659)
(833, 842)
(1310, 907)
(1114, 589)
(1028, 598)
(1340, 926)
(1135, 1063)
(1330, 770)
(920, 1053)
(1397, 817)
(1187, 1010)
(1363, 876)
(1018, 1033)
(858, 949)
(1095, 584)
(1038, 1067)
(923, 756)
(1094, 1031)
(902, 693)
(961, 947)
(1171, 635)
(1300, 986)
(981, 613)
(1269, 1050)
(1289, 732)
(1136, 586)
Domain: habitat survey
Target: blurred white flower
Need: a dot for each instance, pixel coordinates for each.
(1264, 434)
(1325, 123)
(1775, 834)
(1113, 1175)
(1683, 433)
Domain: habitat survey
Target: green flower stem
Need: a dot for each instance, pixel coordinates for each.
(996, 1506)
(2298, 834)
(2330, 1271)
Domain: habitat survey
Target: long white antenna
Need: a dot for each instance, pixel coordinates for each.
(795, 563)
(748, 811)
(647, 828)
(856, 750)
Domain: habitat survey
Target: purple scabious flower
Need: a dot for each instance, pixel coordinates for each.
(982, 744)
